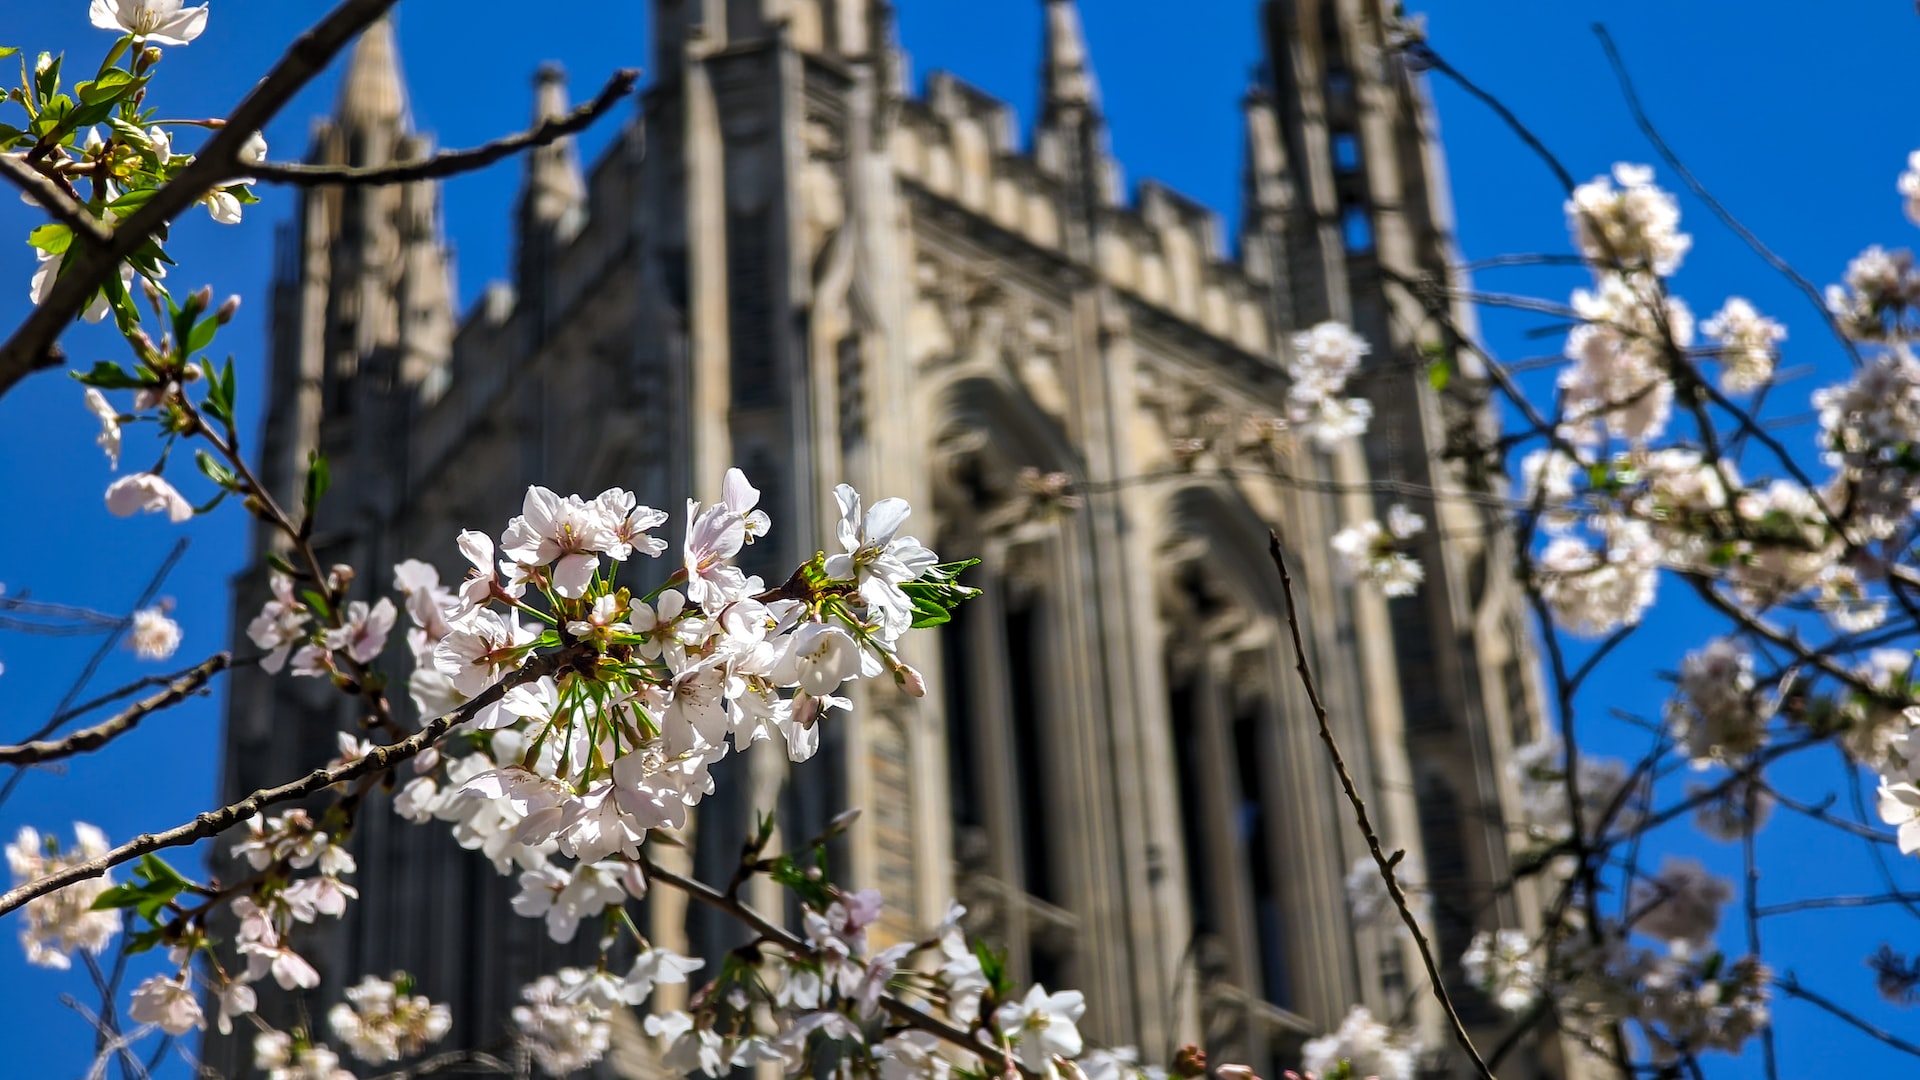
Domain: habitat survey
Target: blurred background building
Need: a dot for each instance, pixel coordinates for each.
(792, 262)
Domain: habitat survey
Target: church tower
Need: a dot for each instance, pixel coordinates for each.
(809, 270)
(1348, 203)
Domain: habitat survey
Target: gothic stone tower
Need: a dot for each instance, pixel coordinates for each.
(816, 275)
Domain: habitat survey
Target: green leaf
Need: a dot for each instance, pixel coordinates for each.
(319, 479)
(215, 470)
(132, 200)
(202, 335)
(107, 375)
(113, 55)
(111, 86)
(7, 50)
(317, 602)
(9, 135)
(937, 593)
(993, 965)
(47, 83)
(154, 886)
(1439, 374)
(52, 239)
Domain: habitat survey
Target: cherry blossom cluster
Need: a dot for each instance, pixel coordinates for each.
(55, 926)
(1362, 1047)
(1682, 994)
(1322, 360)
(382, 1020)
(1375, 554)
(1720, 713)
(586, 761)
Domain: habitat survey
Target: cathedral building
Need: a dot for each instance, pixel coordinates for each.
(790, 261)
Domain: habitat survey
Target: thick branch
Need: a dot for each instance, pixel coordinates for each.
(31, 348)
(1385, 862)
(93, 738)
(54, 201)
(454, 162)
(214, 822)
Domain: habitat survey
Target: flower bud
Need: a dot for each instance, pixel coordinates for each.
(199, 301)
(227, 310)
(910, 681)
(1190, 1062)
(148, 57)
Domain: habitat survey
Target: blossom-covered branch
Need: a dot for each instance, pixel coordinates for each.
(28, 348)
(213, 822)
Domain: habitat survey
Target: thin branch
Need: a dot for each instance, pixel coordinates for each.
(214, 822)
(1733, 224)
(1385, 862)
(1821, 903)
(1423, 53)
(1750, 900)
(1791, 986)
(453, 1059)
(63, 709)
(772, 931)
(32, 346)
(453, 162)
(133, 688)
(93, 738)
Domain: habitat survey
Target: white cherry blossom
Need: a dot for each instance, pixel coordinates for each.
(109, 438)
(169, 1002)
(163, 22)
(154, 635)
(130, 495)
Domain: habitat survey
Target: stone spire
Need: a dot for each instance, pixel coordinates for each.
(1070, 141)
(1267, 201)
(1268, 186)
(554, 196)
(373, 94)
(1066, 72)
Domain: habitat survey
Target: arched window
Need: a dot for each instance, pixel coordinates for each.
(1012, 829)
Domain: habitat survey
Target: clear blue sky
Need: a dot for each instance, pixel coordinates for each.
(1794, 119)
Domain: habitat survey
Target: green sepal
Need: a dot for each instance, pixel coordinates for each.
(937, 593)
(215, 470)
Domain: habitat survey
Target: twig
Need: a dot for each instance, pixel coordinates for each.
(100, 734)
(1751, 902)
(62, 710)
(1733, 224)
(214, 822)
(32, 346)
(1791, 986)
(1385, 862)
(452, 1059)
(453, 162)
(133, 688)
(772, 931)
(1817, 903)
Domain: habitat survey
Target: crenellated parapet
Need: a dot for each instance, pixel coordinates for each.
(956, 147)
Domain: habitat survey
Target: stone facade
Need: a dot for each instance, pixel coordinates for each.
(805, 270)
